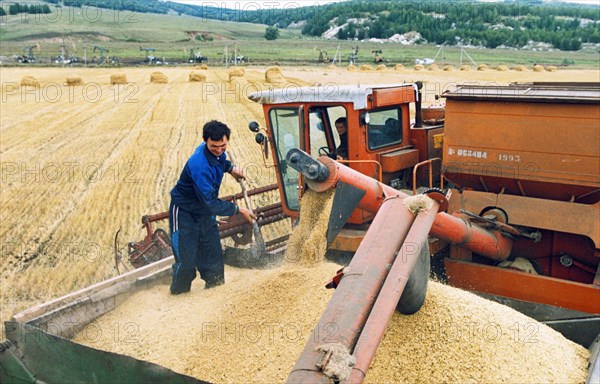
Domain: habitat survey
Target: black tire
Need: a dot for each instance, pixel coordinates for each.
(414, 293)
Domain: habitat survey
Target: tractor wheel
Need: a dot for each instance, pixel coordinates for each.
(413, 297)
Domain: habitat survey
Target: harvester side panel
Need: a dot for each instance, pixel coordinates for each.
(533, 149)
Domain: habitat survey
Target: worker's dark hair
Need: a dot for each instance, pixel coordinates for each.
(215, 130)
(342, 120)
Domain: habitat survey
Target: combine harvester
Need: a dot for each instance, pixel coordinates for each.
(522, 163)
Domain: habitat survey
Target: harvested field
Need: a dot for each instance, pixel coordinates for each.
(108, 155)
(29, 81)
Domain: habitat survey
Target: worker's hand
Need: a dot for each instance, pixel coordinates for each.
(247, 214)
(237, 173)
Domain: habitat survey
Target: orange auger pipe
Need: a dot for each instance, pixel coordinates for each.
(390, 293)
(446, 227)
(346, 313)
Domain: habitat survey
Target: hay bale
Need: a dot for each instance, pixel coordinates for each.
(30, 81)
(352, 68)
(236, 72)
(482, 67)
(502, 68)
(74, 81)
(433, 67)
(465, 67)
(418, 67)
(196, 77)
(538, 68)
(119, 78)
(366, 67)
(398, 67)
(203, 66)
(381, 67)
(332, 66)
(551, 68)
(520, 68)
(273, 75)
(158, 78)
(448, 68)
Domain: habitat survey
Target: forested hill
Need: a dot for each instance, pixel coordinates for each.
(455, 22)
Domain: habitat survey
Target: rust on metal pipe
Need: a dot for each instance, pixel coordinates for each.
(446, 227)
(390, 294)
(352, 301)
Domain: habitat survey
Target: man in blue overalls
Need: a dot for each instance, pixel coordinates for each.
(194, 206)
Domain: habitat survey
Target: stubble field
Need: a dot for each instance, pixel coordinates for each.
(80, 162)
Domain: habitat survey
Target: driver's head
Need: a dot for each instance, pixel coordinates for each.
(341, 125)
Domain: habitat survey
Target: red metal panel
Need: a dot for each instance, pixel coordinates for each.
(523, 286)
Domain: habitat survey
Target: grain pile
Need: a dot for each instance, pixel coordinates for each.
(29, 81)
(502, 68)
(448, 68)
(352, 68)
(433, 67)
(308, 242)
(458, 337)
(465, 67)
(119, 78)
(399, 67)
(366, 67)
(250, 330)
(418, 67)
(381, 67)
(158, 78)
(551, 68)
(74, 81)
(197, 77)
(273, 75)
(203, 66)
(538, 68)
(482, 67)
(520, 68)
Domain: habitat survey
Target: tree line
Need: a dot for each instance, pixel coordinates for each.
(16, 8)
(450, 22)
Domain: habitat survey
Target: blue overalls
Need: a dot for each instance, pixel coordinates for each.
(192, 220)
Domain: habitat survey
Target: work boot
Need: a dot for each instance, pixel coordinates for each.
(179, 287)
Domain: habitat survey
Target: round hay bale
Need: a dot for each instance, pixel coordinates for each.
(465, 67)
(352, 68)
(74, 81)
(158, 78)
(273, 75)
(203, 66)
(119, 78)
(418, 67)
(502, 68)
(196, 77)
(236, 72)
(551, 68)
(482, 67)
(398, 67)
(538, 68)
(30, 81)
(433, 67)
(520, 68)
(448, 68)
(366, 67)
(381, 67)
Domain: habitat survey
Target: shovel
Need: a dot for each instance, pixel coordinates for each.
(258, 246)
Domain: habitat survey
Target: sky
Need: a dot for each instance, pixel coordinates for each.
(248, 5)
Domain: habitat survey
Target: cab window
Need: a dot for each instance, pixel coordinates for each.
(385, 128)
